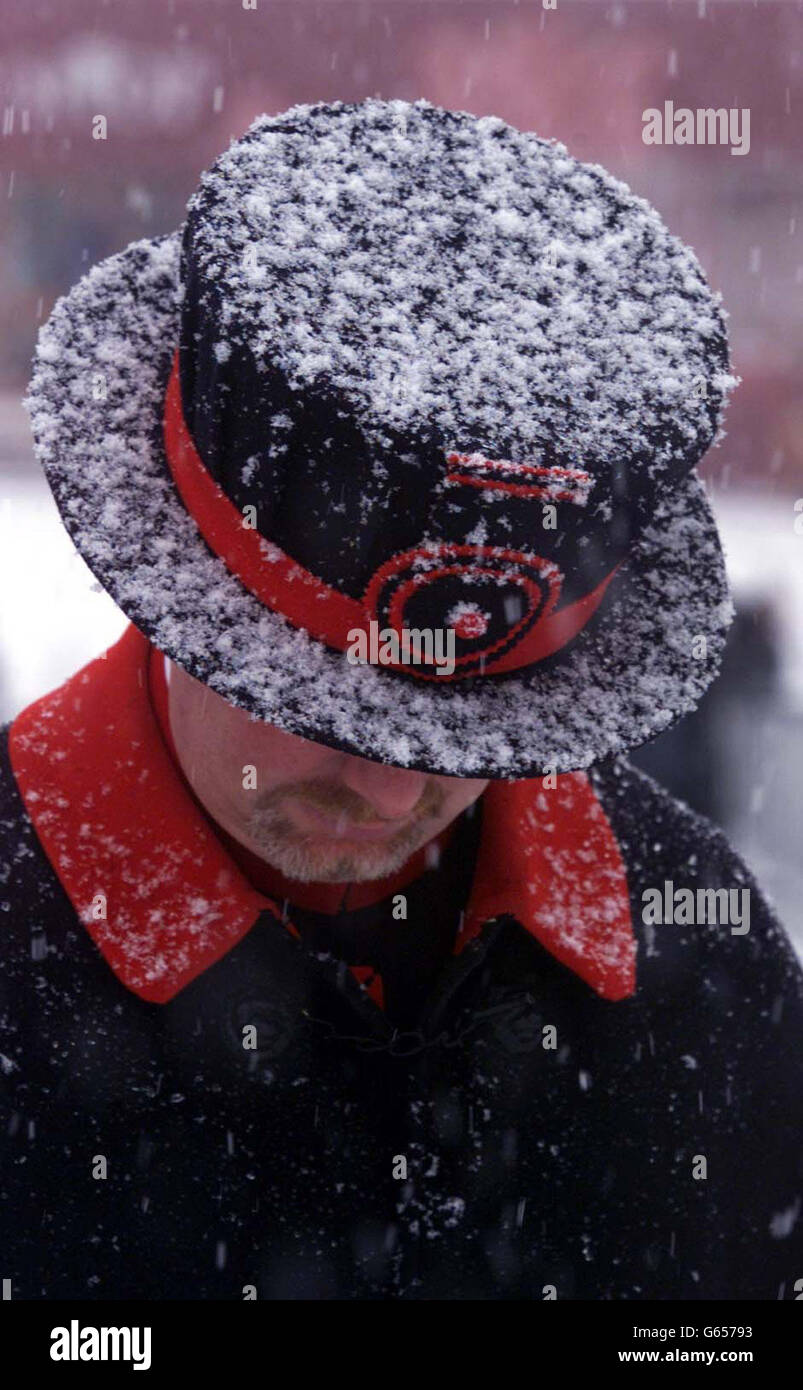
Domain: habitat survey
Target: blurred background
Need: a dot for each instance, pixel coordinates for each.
(177, 79)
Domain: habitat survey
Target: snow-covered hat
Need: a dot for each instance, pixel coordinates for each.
(404, 368)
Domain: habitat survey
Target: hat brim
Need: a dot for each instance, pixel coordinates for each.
(96, 402)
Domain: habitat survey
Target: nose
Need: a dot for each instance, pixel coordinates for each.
(391, 791)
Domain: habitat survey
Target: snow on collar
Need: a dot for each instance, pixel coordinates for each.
(123, 833)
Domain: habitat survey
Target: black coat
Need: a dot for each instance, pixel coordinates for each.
(529, 1169)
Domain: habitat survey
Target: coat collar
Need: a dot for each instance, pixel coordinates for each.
(163, 899)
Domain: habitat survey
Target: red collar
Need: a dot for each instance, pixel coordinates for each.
(163, 898)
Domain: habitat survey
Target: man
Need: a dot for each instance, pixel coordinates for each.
(341, 961)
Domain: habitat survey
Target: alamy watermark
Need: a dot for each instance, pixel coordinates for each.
(77, 1343)
(413, 646)
(705, 906)
(702, 126)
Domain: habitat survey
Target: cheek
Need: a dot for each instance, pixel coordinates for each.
(277, 756)
(461, 792)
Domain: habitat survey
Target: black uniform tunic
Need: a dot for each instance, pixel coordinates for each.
(526, 1131)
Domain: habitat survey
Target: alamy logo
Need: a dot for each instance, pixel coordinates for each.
(703, 126)
(76, 1343)
(413, 646)
(723, 906)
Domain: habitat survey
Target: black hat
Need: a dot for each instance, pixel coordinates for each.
(393, 443)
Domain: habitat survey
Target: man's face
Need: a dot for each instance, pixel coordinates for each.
(314, 813)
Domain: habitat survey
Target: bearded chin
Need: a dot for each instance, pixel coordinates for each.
(307, 860)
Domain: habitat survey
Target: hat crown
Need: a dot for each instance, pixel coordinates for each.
(373, 289)
(441, 275)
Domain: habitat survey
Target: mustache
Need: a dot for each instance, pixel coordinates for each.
(334, 798)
